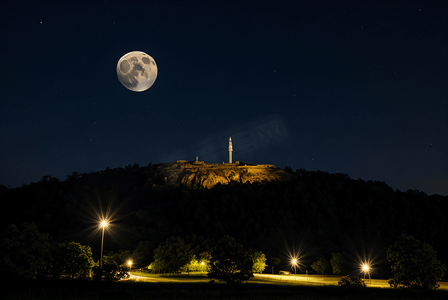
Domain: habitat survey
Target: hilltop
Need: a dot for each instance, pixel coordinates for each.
(197, 174)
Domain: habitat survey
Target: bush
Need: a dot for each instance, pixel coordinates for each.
(348, 281)
(110, 273)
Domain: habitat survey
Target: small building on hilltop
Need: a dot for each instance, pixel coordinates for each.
(198, 174)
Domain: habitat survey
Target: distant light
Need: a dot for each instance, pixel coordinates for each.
(130, 265)
(104, 224)
(365, 267)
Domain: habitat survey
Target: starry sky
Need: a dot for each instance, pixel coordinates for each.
(355, 87)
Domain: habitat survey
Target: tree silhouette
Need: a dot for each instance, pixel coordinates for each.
(143, 253)
(24, 252)
(338, 263)
(230, 262)
(172, 254)
(414, 264)
(321, 266)
(258, 261)
(72, 260)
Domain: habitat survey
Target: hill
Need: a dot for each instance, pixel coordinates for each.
(315, 211)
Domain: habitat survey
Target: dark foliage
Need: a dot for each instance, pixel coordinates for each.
(353, 282)
(143, 254)
(24, 252)
(172, 254)
(321, 266)
(414, 264)
(71, 260)
(110, 273)
(331, 211)
(230, 262)
(338, 263)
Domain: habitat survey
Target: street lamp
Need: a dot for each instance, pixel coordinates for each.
(130, 264)
(104, 224)
(294, 262)
(366, 268)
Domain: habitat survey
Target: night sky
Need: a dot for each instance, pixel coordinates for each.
(355, 87)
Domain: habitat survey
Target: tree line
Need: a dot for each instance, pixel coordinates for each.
(26, 253)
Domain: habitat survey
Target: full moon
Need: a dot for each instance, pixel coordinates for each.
(137, 71)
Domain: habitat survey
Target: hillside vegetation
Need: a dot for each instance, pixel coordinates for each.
(315, 212)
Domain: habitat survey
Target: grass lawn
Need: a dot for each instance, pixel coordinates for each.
(169, 278)
(311, 280)
(143, 286)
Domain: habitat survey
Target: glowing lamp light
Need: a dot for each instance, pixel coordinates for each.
(294, 262)
(103, 224)
(366, 269)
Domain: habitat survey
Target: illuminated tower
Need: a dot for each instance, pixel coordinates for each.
(230, 150)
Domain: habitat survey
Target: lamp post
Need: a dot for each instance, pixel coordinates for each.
(104, 224)
(294, 262)
(130, 264)
(366, 268)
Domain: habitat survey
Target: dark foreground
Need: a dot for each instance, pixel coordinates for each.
(87, 290)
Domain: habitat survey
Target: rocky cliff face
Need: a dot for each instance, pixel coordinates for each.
(200, 175)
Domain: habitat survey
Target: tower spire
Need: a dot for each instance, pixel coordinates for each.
(230, 150)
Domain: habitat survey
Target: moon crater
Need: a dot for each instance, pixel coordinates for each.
(124, 67)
